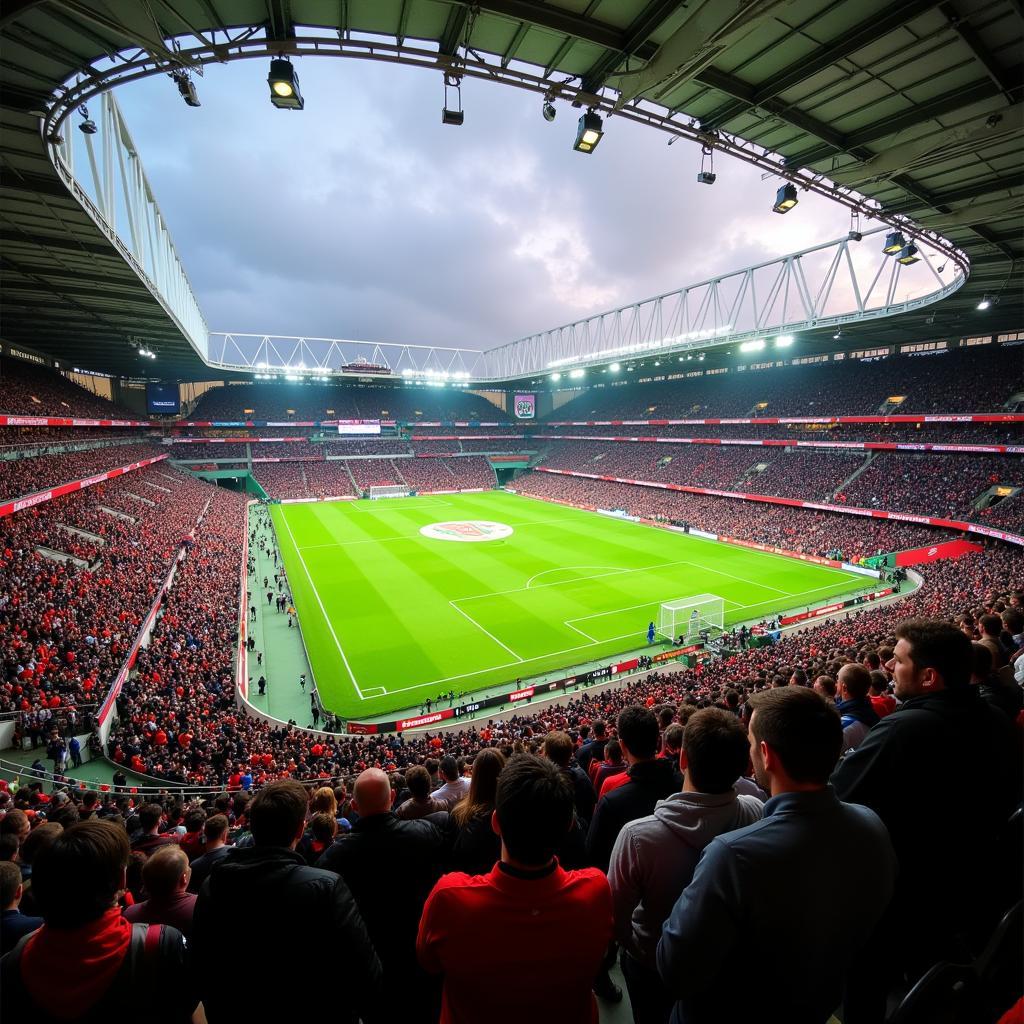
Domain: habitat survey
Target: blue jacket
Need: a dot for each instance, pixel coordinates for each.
(776, 912)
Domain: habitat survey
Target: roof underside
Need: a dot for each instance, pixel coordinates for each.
(916, 104)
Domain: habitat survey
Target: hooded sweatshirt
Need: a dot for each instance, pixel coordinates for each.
(654, 859)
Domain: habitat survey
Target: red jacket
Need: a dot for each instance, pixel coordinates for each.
(517, 949)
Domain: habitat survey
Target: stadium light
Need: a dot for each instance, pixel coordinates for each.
(894, 242)
(785, 198)
(556, 377)
(284, 85)
(784, 341)
(589, 132)
(615, 367)
(908, 255)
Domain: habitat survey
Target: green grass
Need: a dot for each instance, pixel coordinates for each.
(391, 617)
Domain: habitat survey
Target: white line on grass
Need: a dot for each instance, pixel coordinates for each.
(486, 632)
(323, 610)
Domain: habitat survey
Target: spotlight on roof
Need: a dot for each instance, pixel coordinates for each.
(785, 198)
(589, 132)
(186, 87)
(894, 242)
(284, 85)
(908, 254)
(987, 301)
(548, 110)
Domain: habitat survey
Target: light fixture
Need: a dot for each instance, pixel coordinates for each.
(589, 132)
(784, 341)
(548, 110)
(576, 374)
(908, 254)
(894, 242)
(284, 85)
(615, 367)
(186, 87)
(88, 125)
(785, 198)
(556, 377)
(986, 301)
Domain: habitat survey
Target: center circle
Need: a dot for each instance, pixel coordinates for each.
(467, 531)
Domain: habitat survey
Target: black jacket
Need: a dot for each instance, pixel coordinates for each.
(390, 866)
(264, 906)
(649, 782)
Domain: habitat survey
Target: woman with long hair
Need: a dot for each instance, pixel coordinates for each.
(476, 847)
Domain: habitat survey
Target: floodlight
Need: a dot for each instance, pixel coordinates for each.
(284, 85)
(548, 110)
(589, 132)
(894, 242)
(785, 198)
(908, 255)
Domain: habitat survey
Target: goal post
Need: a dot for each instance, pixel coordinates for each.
(688, 616)
(375, 491)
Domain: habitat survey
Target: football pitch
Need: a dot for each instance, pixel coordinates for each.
(403, 599)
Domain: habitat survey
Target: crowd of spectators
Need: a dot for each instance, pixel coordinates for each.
(19, 477)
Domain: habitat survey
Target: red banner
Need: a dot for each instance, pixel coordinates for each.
(10, 507)
(947, 549)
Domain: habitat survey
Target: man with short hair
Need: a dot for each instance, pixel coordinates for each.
(855, 709)
(265, 897)
(944, 731)
(455, 785)
(804, 886)
(529, 934)
(14, 924)
(165, 876)
(215, 830)
(654, 857)
(390, 866)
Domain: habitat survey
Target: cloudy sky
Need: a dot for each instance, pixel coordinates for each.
(364, 217)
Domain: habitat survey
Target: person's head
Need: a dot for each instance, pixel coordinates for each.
(795, 739)
(487, 766)
(10, 885)
(324, 800)
(215, 829)
(558, 748)
(533, 809)
(853, 681)
(166, 873)
(449, 768)
(277, 814)
(77, 878)
(825, 686)
(929, 656)
(715, 751)
(638, 733)
(991, 626)
(149, 816)
(981, 663)
(15, 823)
(372, 793)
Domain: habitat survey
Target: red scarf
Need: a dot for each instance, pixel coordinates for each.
(67, 970)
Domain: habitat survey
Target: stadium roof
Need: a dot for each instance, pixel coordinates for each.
(916, 105)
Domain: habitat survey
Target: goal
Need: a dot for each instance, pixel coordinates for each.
(688, 616)
(387, 491)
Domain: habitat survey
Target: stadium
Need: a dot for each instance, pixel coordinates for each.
(578, 541)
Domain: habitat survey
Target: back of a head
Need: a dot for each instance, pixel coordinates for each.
(717, 750)
(216, 827)
(449, 768)
(278, 813)
(856, 678)
(417, 779)
(558, 748)
(638, 731)
(802, 728)
(534, 804)
(77, 877)
(940, 646)
(162, 872)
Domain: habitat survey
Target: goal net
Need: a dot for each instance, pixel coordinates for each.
(387, 491)
(688, 616)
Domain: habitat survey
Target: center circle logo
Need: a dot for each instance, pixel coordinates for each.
(467, 531)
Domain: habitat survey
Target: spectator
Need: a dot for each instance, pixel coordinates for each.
(86, 963)
(166, 876)
(654, 857)
(14, 923)
(480, 931)
(477, 848)
(390, 866)
(455, 786)
(806, 885)
(941, 717)
(215, 830)
(265, 899)
(856, 711)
